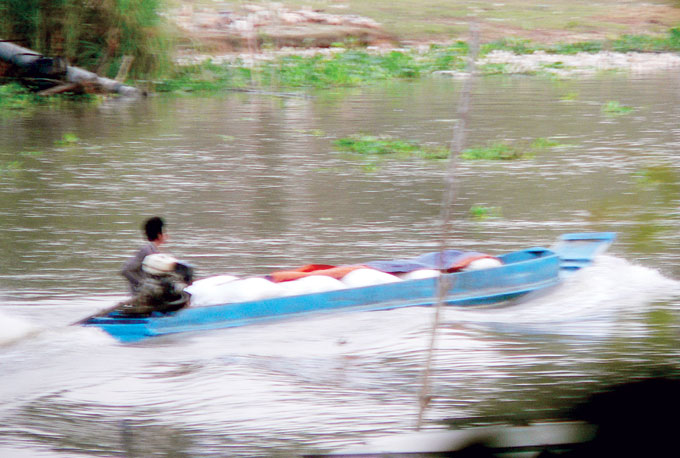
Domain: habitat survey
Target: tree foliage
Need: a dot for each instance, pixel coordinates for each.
(94, 34)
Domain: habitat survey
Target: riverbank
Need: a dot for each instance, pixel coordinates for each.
(279, 43)
(306, 44)
(259, 24)
(356, 65)
(495, 62)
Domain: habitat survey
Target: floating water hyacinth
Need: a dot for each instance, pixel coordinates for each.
(367, 144)
(498, 151)
(385, 145)
(614, 108)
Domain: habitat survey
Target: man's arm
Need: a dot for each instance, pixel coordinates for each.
(132, 269)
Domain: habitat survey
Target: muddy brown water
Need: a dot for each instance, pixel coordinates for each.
(249, 183)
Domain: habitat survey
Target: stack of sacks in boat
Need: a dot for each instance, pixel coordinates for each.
(319, 278)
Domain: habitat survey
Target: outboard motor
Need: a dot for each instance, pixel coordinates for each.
(162, 289)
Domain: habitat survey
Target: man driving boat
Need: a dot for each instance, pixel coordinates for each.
(132, 269)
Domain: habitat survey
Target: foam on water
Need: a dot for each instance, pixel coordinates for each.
(587, 302)
(13, 329)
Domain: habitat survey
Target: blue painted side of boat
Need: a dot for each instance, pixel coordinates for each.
(522, 272)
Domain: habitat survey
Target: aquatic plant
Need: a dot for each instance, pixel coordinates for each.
(386, 145)
(503, 151)
(614, 108)
(542, 143)
(480, 212)
(67, 139)
(367, 144)
(498, 151)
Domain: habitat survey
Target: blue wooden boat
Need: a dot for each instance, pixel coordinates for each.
(521, 272)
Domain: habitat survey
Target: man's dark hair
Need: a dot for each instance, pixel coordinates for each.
(153, 228)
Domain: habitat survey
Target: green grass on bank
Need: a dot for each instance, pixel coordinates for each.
(358, 66)
(16, 98)
(354, 67)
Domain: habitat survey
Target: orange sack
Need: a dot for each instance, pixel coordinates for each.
(336, 272)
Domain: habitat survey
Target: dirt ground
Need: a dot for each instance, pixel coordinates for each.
(260, 26)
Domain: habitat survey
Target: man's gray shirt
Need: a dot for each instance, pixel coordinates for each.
(132, 269)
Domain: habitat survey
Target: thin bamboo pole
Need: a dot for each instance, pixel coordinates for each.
(448, 199)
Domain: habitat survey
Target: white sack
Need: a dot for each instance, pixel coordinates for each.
(484, 263)
(367, 277)
(310, 285)
(420, 273)
(248, 289)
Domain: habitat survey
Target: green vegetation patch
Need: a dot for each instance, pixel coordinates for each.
(206, 77)
(481, 212)
(388, 146)
(348, 68)
(344, 68)
(356, 66)
(503, 151)
(626, 43)
(370, 145)
(498, 151)
(17, 98)
(648, 43)
(14, 96)
(614, 108)
(67, 139)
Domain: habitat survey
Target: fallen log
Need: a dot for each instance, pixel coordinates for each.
(61, 88)
(33, 65)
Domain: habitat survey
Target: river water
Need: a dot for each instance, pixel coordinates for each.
(249, 183)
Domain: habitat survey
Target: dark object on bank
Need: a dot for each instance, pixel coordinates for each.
(631, 419)
(46, 67)
(44, 73)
